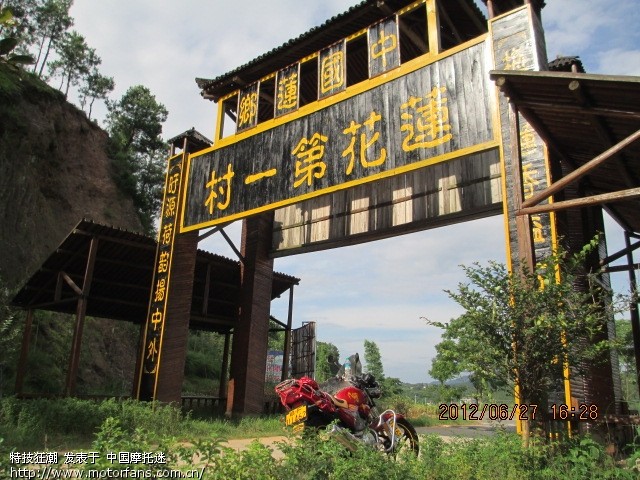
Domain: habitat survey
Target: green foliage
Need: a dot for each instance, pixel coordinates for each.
(312, 457)
(135, 125)
(513, 331)
(373, 360)
(135, 121)
(75, 61)
(97, 87)
(323, 350)
(44, 421)
(626, 355)
(203, 363)
(133, 427)
(9, 44)
(41, 28)
(10, 329)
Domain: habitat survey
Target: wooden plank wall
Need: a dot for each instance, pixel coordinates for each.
(433, 196)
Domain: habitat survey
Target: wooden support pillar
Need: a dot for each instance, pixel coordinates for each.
(491, 9)
(81, 310)
(163, 349)
(525, 250)
(287, 338)
(222, 390)
(24, 353)
(250, 337)
(176, 324)
(633, 307)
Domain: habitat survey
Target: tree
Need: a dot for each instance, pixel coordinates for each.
(446, 364)
(323, 370)
(135, 122)
(520, 328)
(52, 20)
(96, 87)
(22, 25)
(373, 360)
(626, 356)
(75, 61)
(135, 125)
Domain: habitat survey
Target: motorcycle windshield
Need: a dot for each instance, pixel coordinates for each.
(334, 384)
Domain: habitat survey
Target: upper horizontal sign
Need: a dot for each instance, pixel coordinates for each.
(431, 114)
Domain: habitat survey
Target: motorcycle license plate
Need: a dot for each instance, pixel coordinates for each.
(297, 415)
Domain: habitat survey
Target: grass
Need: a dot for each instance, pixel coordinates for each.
(71, 423)
(121, 426)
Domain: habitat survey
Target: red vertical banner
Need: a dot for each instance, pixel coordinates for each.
(151, 351)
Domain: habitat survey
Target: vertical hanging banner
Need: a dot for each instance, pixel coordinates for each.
(517, 41)
(384, 47)
(287, 90)
(332, 71)
(152, 340)
(248, 108)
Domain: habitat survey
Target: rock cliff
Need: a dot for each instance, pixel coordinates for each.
(54, 170)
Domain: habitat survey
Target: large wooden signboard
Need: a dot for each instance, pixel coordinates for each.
(518, 44)
(151, 352)
(435, 113)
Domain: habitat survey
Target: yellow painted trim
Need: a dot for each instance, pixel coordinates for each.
(498, 132)
(566, 369)
(219, 122)
(433, 27)
(516, 397)
(187, 175)
(183, 186)
(164, 308)
(413, 6)
(503, 179)
(482, 147)
(510, 12)
(404, 69)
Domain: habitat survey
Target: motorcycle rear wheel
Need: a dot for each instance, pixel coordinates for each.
(407, 438)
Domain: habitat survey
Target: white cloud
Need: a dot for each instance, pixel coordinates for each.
(620, 60)
(591, 29)
(165, 45)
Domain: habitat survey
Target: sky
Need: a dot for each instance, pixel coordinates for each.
(376, 291)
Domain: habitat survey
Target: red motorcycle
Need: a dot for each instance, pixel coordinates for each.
(345, 403)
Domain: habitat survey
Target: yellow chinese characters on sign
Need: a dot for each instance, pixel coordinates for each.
(363, 139)
(514, 59)
(151, 352)
(287, 90)
(219, 190)
(309, 164)
(380, 49)
(332, 70)
(425, 121)
(384, 51)
(530, 181)
(247, 108)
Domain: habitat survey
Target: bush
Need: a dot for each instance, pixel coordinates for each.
(38, 423)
